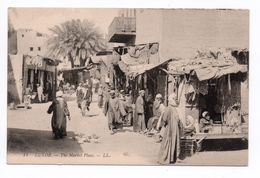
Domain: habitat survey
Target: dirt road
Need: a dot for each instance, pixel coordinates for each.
(30, 140)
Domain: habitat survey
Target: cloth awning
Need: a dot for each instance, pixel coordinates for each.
(134, 69)
(206, 69)
(217, 72)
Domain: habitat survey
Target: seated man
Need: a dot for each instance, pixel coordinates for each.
(206, 123)
(158, 109)
(189, 126)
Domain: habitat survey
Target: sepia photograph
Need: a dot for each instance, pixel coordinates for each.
(128, 86)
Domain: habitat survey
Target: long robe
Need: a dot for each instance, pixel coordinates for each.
(170, 146)
(100, 97)
(80, 95)
(113, 111)
(139, 122)
(60, 110)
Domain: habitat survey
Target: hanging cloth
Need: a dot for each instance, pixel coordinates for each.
(42, 78)
(39, 77)
(31, 76)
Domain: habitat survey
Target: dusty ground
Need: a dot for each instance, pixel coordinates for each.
(30, 140)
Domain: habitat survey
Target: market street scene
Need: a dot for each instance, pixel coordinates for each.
(128, 86)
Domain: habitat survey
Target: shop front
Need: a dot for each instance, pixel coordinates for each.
(39, 71)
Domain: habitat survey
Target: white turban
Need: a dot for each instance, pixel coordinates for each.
(158, 95)
(59, 94)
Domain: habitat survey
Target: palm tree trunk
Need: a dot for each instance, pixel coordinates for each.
(71, 60)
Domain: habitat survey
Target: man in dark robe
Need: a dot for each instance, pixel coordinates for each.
(60, 111)
(170, 146)
(148, 108)
(139, 122)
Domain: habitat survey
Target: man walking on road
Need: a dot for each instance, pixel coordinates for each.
(60, 111)
(112, 111)
(80, 95)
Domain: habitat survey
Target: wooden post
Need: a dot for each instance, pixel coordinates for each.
(166, 91)
(54, 88)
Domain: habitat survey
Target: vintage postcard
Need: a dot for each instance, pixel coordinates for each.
(128, 86)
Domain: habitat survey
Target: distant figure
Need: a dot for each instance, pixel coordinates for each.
(96, 84)
(129, 107)
(48, 91)
(122, 105)
(79, 95)
(90, 87)
(40, 93)
(60, 111)
(27, 96)
(100, 96)
(139, 122)
(86, 99)
(170, 146)
(148, 108)
(206, 122)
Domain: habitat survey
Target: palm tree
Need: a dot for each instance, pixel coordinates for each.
(76, 40)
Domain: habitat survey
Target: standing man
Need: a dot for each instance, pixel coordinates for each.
(27, 96)
(100, 96)
(90, 87)
(129, 107)
(86, 99)
(79, 95)
(60, 111)
(48, 91)
(112, 111)
(139, 122)
(170, 146)
(40, 93)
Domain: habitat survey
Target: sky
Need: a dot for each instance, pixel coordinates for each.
(41, 19)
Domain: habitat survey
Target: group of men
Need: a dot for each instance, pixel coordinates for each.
(120, 109)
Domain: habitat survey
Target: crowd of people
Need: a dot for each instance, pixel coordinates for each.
(120, 110)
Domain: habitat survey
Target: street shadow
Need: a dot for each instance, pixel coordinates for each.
(224, 145)
(123, 128)
(91, 115)
(37, 141)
